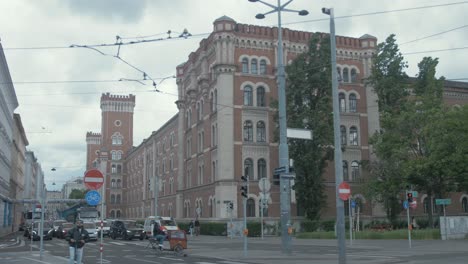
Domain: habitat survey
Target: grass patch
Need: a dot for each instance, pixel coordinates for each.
(423, 234)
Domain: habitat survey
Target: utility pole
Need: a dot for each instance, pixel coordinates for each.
(340, 225)
(245, 195)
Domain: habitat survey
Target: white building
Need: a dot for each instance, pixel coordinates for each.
(76, 183)
(8, 103)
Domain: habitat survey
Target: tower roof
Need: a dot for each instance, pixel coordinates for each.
(224, 18)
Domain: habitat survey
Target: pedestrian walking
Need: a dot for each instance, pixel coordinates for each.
(77, 237)
(191, 227)
(197, 227)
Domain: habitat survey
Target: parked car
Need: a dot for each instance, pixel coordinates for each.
(126, 229)
(167, 224)
(63, 229)
(91, 228)
(57, 224)
(33, 231)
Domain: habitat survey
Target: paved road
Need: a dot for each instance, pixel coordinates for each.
(221, 250)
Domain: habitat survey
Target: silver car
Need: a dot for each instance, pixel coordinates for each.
(90, 227)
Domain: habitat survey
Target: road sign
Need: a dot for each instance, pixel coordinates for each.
(264, 196)
(413, 204)
(264, 185)
(93, 197)
(291, 175)
(443, 201)
(298, 133)
(415, 194)
(280, 170)
(353, 204)
(344, 191)
(93, 179)
(405, 204)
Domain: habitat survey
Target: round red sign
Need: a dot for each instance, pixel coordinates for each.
(93, 179)
(344, 191)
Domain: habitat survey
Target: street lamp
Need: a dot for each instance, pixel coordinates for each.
(340, 225)
(285, 184)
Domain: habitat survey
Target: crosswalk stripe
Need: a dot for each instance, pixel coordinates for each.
(230, 262)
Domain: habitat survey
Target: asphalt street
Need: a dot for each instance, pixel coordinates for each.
(222, 250)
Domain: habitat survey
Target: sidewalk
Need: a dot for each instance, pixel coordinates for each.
(10, 240)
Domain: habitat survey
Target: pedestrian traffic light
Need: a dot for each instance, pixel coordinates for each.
(410, 197)
(244, 188)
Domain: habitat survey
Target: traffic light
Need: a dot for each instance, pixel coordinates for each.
(231, 205)
(410, 197)
(244, 188)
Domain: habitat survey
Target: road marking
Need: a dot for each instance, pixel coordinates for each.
(171, 258)
(149, 261)
(117, 243)
(230, 262)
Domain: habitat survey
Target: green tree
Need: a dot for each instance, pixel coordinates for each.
(77, 194)
(390, 83)
(388, 77)
(309, 107)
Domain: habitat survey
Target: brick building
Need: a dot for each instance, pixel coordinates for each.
(225, 129)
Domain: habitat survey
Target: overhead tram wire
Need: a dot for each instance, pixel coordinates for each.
(378, 12)
(433, 35)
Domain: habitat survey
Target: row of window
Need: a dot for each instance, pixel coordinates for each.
(200, 108)
(352, 100)
(249, 131)
(248, 96)
(201, 141)
(347, 76)
(355, 171)
(439, 208)
(254, 66)
(353, 136)
(200, 174)
(249, 169)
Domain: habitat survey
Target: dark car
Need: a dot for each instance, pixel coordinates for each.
(63, 229)
(33, 231)
(126, 229)
(57, 224)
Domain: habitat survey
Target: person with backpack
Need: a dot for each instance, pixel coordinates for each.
(77, 237)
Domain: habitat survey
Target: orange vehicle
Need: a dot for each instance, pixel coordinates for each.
(177, 240)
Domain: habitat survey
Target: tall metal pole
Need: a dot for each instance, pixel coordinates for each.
(338, 159)
(245, 226)
(156, 193)
(40, 232)
(283, 145)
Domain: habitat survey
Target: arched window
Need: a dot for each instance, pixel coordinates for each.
(250, 207)
(118, 214)
(345, 171)
(342, 102)
(119, 183)
(248, 96)
(215, 105)
(263, 67)
(117, 200)
(112, 214)
(353, 75)
(353, 136)
(343, 135)
(261, 97)
(212, 102)
(254, 66)
(117, 139)
(465, 205)
(352, 103)
(113, 183)
(338, 71)
(248, 131)
(245, 65)
(261, 132)
(119, 168)
(261, 168)
(355, 173)
(345, 75)
(248, 168)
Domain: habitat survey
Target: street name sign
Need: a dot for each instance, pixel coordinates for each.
(443, 201)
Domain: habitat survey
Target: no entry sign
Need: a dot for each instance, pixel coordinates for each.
(344, 191)
(93, 179)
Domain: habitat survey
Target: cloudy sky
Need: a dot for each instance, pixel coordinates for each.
(57, 107)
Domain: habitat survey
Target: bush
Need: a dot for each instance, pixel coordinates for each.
(255, 229)
(328, 225)
(213, 229)
(309, 226)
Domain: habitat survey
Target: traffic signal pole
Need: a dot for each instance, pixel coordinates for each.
(245, 195)
(409, 195)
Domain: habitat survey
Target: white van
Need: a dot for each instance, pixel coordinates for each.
(167, 224)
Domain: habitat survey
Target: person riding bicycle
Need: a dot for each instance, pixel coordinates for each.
(159, 234)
